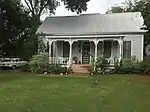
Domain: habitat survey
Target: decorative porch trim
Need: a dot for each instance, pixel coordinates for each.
(92, 33)
(82, 37)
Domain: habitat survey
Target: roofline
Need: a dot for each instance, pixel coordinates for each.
(92, 34)
(78, 15)
(85, 37)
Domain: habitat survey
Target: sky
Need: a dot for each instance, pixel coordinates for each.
(94, 6)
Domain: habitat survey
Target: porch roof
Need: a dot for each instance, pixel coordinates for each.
(93, 24)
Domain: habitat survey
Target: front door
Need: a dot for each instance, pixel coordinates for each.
(86, 53)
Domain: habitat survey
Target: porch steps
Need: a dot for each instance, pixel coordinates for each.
(81, 68)
(85, 59)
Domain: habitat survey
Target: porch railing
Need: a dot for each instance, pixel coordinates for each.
(58, 60)
(111, 61)
(67, 62)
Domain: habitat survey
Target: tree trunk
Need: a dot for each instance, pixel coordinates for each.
(36, 23)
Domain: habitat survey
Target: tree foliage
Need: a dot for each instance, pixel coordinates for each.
(11, 24)
(40, 7)
(127, 6)
(15, 27)
(115, 9)
(19, 23)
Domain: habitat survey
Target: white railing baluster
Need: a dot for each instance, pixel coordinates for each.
(110, 61)
(59, 60)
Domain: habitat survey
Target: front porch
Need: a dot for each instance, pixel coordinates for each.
(83, 51)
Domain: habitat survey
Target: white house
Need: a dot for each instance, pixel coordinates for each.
(85, 36)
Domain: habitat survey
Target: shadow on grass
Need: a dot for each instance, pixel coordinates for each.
(10, 75)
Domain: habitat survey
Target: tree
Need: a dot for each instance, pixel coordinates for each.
(144, 7)
(115, 9)
(40, 7)
(127, 6)
(14, 27)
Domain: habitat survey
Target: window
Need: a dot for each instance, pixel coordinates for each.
(52, 49)
(126, 49)
(66, 48)
(107, 49)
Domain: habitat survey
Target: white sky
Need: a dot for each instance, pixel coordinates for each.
(94, 6)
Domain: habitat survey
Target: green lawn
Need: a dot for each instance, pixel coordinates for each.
(70, 94)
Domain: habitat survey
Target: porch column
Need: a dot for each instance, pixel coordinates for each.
(70, 51)
(54, 48)
(95, 51)
(96, 43)
(120, 49)
(50, 50)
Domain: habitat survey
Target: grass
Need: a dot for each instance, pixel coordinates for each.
(26, 93)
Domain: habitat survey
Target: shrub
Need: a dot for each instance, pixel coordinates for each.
(147, 71)
(101, 62)
(125, 66)
(26, 68)
(57, 69)
(145, 67)
(128, 66)
(132, 66)
(99, 66)
(40, 64)
(116, 65)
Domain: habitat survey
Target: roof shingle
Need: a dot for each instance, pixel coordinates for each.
(93, 24)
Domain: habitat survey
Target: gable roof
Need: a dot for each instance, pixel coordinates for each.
(87, 24)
